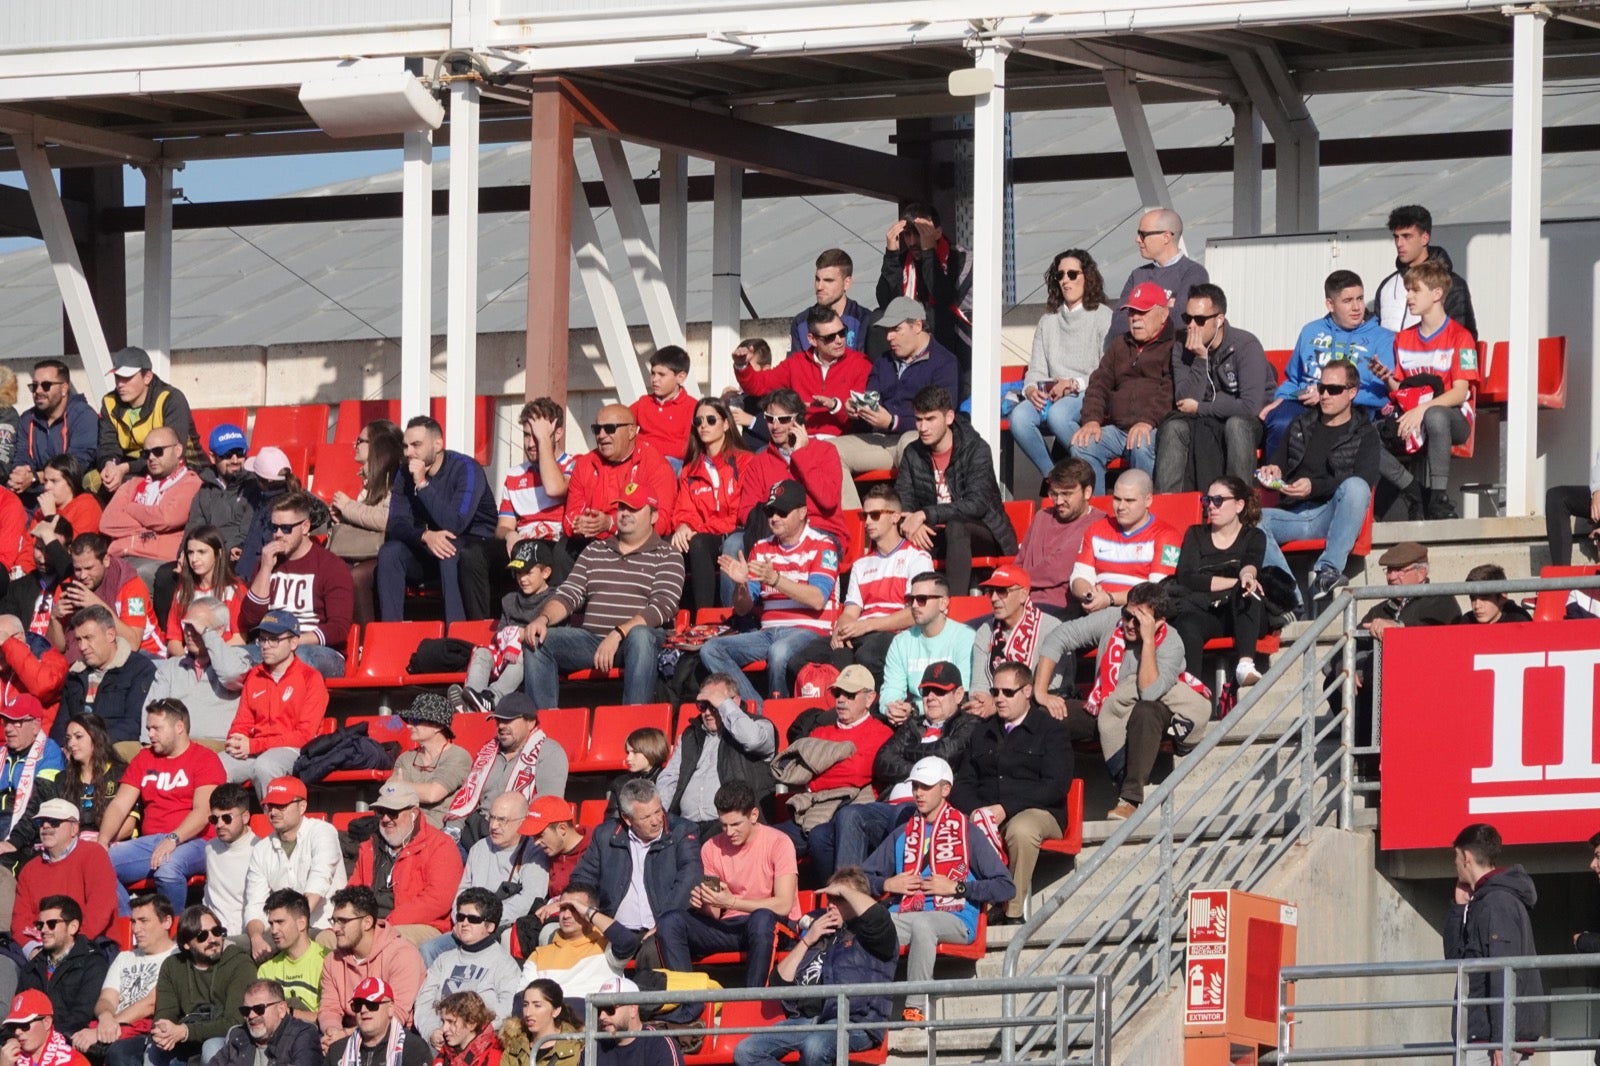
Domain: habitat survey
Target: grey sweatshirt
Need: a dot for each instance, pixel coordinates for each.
(492, 973)
(212, 695)
(489, 867)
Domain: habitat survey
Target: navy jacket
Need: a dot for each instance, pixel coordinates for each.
(1495, 924)
(76, 434)
(671, 865)
(896, 386)
(458, 498)
(120, 699)
(865, 951)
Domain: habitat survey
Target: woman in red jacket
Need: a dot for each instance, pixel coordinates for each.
(468, 1027)
(707, 508)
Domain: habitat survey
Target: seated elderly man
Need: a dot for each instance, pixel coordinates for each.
(1130, 392)
(723, 741)
(208, 677)
(646, 863)
(508, 865)
(411, 867)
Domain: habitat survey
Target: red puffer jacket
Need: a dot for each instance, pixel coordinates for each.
(708, 506)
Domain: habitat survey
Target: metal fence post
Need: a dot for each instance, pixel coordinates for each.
(1168, 893)
(1347, 728)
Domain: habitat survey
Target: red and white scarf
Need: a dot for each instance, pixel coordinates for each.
(1020, 640)
(394, 1047)
(909, 275)
(1111, 668)
(56, 1052)
(150, 491)
(505, 649)
(947, 856)
(25, 780)
(526, 770)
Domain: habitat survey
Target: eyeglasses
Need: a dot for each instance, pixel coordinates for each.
(1001, 590)
(608, 428)
(829, 338)
(223, 819)
(269, 638)
(1006, 692)
(1215, 501)
(207, 932)
(473, 919)
(151, 453)
(360, 1006)
(247, 1010)
(1146, 234)
(286, 527)
(363, 440)
(1069, 275)
(1199, 320)
(236, 453)
(342, 922)
(922, 599)
(707, 420)
(49, 924)
(1333, 390)
(875, 515)
(43, 386)
(779, 420)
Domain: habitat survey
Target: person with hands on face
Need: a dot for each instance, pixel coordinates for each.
(1130, 392)
(198, 992)
(921, 264)
(536, 490)
(1067, 346)
(31, 1037)
(127, 1003)
(709, 491)
(298, 575)
(100, 579)
(934, 637)
(281, 706)
(617, 602)
(722, 744)
(599, 477)
(794, 454)
(589, 947)
(875, 606)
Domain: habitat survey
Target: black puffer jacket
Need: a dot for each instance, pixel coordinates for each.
(1354, 453)
(73, 987)
(294, 1043)
(974, 493)
(230, 507)
(1457, 302)
(902, 750)
(1029, 767)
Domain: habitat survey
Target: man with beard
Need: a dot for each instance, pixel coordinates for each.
(270, 1031)
(412, 867)
(366, 950)
(198, 992)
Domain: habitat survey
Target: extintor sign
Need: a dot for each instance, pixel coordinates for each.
(1206, 968)
(1238, 943)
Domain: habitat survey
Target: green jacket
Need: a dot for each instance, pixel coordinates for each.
(214, 993)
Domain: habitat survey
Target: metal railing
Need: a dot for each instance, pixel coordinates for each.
(1445, 1013)
(1079, 1003)
(1293, 766)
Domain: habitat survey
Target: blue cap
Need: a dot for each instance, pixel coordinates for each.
(228, 438)
(277, 623)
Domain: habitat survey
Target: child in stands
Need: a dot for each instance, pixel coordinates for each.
(666, 414)
(496, 669)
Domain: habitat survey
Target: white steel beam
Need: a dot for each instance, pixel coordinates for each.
(601, 291)
(1136, 139)
(157, 337)
(461, 301)
(64, 262)
(36, 129)
(1246, 170)
(1527, 124)
(416, 273)
(645, 265)
(1206, 80)
(727, 229)
(673, 230)
(988, 241)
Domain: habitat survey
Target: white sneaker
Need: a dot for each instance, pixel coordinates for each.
(1245, 673)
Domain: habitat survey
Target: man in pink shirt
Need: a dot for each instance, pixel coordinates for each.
(145, 519)
(750, 885)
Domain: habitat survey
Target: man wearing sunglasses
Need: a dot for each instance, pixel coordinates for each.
(65, 865)
(1130, 392)
(367, 949)
(28, 762)
(298, 575)
(875, 607)
(599, 477)
(270, 1031)
(723, 743)
(60, 422)
(1324, 468)
(146, 518)
(792, 455)
(1014, 633)
(1221, 379)
(68, 967)
(934, 637)
(228, 858)
(199, 992)
(31, 1037)
(138, 404)
(228, 498)
(1159, 239)
(379, 1038)
(823, 371)
(412, 867)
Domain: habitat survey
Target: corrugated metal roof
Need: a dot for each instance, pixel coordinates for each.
(226, 292)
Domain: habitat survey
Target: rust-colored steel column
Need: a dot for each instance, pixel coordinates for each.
(549, 241)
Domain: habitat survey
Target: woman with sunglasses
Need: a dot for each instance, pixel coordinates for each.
(469, 1036)
(359, 523)
(1219, 567)
(61, 493)
(92, 774)
(204, 569)
(708, 499)
(1067, 346)
(544, 1013)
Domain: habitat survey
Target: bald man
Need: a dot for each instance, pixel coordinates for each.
(146, 517)
(600, 477)
(1159, 239)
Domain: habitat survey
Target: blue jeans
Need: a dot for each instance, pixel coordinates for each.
(816, 1049)
(131, 860)
(732, 653)
(432, 949)
(1059, 416)
(686, 935)
(1113, 442)
(154, 1056)
(854, 833)
(1337, 521)
(329, 662)
(573, 648)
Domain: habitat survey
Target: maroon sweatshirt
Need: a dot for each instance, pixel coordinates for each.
(316, 588)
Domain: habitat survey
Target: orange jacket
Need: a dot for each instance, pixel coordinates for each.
(281, 713)
(426, 874)
(43, 676)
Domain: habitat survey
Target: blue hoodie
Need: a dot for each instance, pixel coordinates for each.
(1321, 342)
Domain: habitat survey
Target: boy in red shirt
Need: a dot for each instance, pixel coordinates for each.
(666, 413)
(1440, 346)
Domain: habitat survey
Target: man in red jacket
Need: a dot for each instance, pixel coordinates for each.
(824, 376)
(599, 477)
(793, 455)
(413, 868)
(40, 674)
(280, 708)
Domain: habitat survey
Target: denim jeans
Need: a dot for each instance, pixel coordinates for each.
(131, 860)
(154, 1056)
(854, 832)
(573, 648)
(1337, 521)
(329, 662)
(732, 653)
(816, 1049)
(1113, 442)
(1060, 417)
(685, 935)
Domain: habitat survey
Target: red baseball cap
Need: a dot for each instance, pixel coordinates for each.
(1145, 295)
(21, 706)
(635, 496)
(1007, 577)
(27, 1006)
(373, 990)
(546, 810)
(285, 790)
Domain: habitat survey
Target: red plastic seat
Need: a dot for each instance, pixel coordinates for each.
(569, 727)
(121, 930)
(608, 734)
(353, 414)
(209, 418)
(300, 423)
(967, 608)
(1553, 372)
(1363, 545)
(386, 648)
(1551, 605)
(472, 730)
(479, 631)
(1279, 358)
(1071, 842)
(1019, 513)
(336, 475)
(782, 714)
(591, 813)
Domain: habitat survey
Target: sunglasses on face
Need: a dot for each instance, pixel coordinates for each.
(48, 823)
(361, 1006)
(608, 428)
(1332, 390)
(284, 527)
(1146, 234)
(223, 819)
(707, 420)
(829, 338)
(836, 692)
(236, 453)
(42, 386)
(49, 924)
(1008, 693)
(779, 420)
(472, 919)
(921, 600)
(705, 706)
(247, 1010)
(1069, 275)
(1215, 501)
(1198, 320)
(207, 933)
(876, 515)
(151, 453)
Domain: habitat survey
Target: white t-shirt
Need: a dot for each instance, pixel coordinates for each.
(226, 865)
(133, 974)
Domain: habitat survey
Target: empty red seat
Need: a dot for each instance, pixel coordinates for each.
(967, 608)
(207, 419)
(1553, 372)
(302, 423)
(591, 813)
(1551, 606)
(386, 648)
(569, 727)
(608, 733)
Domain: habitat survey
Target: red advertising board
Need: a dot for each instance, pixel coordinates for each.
(1490, 724)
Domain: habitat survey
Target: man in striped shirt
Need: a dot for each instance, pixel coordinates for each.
(875, 608)
(792, 576)
(622, 593)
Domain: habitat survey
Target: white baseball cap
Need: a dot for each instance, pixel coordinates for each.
(930, 770)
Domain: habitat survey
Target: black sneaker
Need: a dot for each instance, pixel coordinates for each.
(455, 696)
(1436, 505)
(1324, 581)
(481, 700)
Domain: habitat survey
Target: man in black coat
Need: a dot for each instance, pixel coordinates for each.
(67, 967)
(1017, 771)
(112, 670)
(951, 502)
(270, 1028)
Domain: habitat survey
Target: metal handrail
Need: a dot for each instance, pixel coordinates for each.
(1293, 978)
(1192, 843)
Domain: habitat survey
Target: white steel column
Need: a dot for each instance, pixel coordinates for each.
(1246, 170)
(673, 231)
(727, 234)
(1128, 107)
(461, 332)
(416, 274)
(988, 241)
(665, 327)
(158, 266)
(64, 262)
(1527, 125)
(600, 288)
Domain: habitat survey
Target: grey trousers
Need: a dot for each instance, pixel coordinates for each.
(261, 770)
(921, 933)
(860, 453)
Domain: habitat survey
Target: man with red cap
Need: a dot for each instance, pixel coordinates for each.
(621, 595)
(30, 759)
(33, 1040)
(379, 1039)
(300, 853)
(1012, 634)
(1130, 392)
(552, 822)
